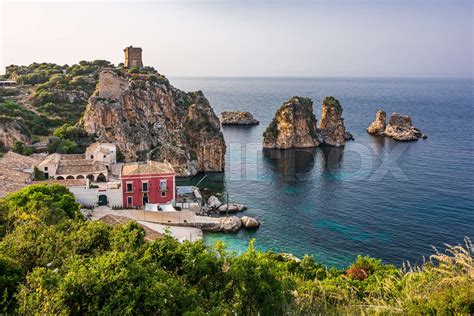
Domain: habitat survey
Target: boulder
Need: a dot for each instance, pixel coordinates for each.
(249, 222)
(400, 128)
(348, 136)
(378, 126)
(237, 118)
(233, 207)
(213, 202)
(227, 224)
(294, 126)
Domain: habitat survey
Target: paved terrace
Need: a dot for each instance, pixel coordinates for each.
(181, 224)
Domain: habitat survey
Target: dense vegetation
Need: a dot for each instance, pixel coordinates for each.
(29, 122)
(60, 92)
(53, 261)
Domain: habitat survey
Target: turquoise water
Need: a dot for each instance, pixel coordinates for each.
(375, 196)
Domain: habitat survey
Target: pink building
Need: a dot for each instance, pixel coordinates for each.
(147, 182)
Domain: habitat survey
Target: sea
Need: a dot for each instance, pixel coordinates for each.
(375, 196)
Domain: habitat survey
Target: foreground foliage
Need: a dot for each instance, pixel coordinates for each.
(53, 261)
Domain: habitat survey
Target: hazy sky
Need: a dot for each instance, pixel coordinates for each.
(248, 38)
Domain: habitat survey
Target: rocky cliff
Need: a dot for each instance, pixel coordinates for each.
(332, 124)
(400, 127)
(149, 118)
(294, 126)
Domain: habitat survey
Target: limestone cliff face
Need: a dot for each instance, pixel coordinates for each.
(149, 118)
(294, 126)
(378, 126)
(332, 124)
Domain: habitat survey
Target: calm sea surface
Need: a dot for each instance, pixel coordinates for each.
(374, 196)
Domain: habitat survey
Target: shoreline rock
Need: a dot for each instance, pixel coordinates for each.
(228, 224)
(215, 204)
(249, 222)
(237, 118)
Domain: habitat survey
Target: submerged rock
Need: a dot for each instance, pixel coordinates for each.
(348, 136)
(378, 126)
(237, 118)
(249, 222)
(332, 127)
(147, 118)
(294, 126)
(400, 128)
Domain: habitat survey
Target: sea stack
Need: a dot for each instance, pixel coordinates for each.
(294, 126)
(399, 128)
(332, 127)
(237, 118)
(378, 126)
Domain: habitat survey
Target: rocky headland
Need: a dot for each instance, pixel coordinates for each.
(400, 127)
(237, 118)
(295, 125)
(148, 118)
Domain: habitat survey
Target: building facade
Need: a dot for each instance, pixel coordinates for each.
(94, 165)
(133, 57)
(147, 182)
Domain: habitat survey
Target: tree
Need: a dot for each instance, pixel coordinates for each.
(46, 203)
(38, 175)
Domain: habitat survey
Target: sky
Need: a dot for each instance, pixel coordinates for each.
(248, 38)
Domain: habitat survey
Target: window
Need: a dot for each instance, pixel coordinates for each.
(163, 185)
(92, 156)
(129, 201)
(163, 193)
(145, 198)
(45, 168)
(145, 186)
(129, 187)
(105, 156)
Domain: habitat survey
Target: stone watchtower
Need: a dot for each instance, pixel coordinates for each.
(133, 57)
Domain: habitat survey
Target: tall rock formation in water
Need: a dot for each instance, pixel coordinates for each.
(378, 126)
(147, 118)
(332, 124)
(294, 126)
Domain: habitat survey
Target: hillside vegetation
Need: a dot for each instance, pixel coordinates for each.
(50, 97)
(53, 261)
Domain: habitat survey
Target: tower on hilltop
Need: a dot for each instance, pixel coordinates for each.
(133, 57)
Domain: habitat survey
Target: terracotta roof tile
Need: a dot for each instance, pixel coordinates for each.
(150, 167)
